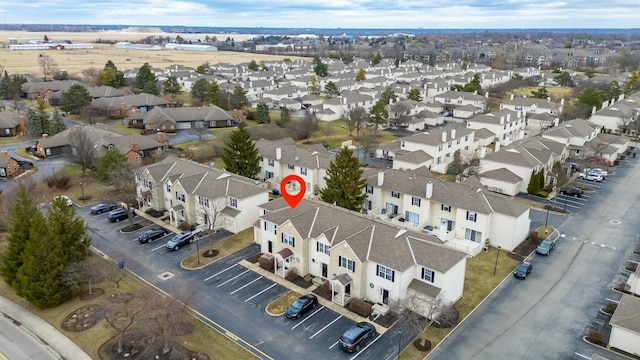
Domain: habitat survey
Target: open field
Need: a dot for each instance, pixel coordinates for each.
(75, 61)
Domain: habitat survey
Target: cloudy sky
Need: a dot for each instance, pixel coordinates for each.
(398, 14)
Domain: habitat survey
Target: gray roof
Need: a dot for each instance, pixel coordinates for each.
(495, 117)
(572, 128)
(484, 133)
(434, 137)
(9, 119)
(514, 157)
(186, 114)
(502, 174)
(461, 94)
(413, 157)
(371, 240)
(316, 158)
(424, 288)
(528, 102)
(627, 314)
(104, 91)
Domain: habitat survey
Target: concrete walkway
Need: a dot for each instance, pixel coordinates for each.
(302, 291)
(48, 335)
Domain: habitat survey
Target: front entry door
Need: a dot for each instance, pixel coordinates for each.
(270, 247)
(325, 270)
(385, 296)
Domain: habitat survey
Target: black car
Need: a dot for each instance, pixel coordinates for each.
(183, 238)
(357, 336)
(301, 306)
(546, 247)
(152, 234)
(102, 207)
(572, 192)
(117, 215)
(523, 270)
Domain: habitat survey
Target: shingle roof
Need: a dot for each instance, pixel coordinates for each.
(186, 114)
(627, 314)
(413, 157)
(484, 133)
(291, 154)
(502, 174)
(424, 288)
(9, 119)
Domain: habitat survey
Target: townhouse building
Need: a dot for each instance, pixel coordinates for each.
(194, 193)
(281, 158)
(360, 256)
(576, 134)
(520, 161)
(464, 216)
(507, 125)
(533, 105)
(452, 99)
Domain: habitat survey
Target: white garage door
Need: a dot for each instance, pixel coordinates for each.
(183, 125)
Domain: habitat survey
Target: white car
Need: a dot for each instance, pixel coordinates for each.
(591, 176)
(65, 198)
(602, 172)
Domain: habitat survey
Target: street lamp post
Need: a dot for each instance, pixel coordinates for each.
(495, 267)
(399, 342)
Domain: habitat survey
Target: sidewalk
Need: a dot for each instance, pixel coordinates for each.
(50, 336)
(322, 301)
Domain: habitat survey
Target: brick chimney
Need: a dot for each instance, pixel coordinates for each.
(134, 146)
(45, 136)
(22, 127)
(4, 153)
(160, 135)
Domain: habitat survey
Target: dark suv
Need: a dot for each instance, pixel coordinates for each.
(183, 238)
(102, 207)
(152, 234)
(357, 336)
(572, 192)
(117, 215)
(523, 270)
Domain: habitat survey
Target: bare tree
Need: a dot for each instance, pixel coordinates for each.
(82, 148)
(211, 212)
(199, 129)
(397, 110)
(420, 311)
(48, 66)
(356, 118)
(327, 130)
(122, 316)
(367, 140)
(85, 271)
(122, 177)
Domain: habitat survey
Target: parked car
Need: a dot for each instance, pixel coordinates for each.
(102, 207)
(591, 176)
(545, 247)
(118, 215)
(179, 240)
(523, 270)
(301, 306)
(357, 336)
(65, 198)
(602, 172)
(575, 192)
(152, 234)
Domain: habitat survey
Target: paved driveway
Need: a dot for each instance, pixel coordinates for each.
(546, 316)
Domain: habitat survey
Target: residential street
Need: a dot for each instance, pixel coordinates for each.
(546, 315)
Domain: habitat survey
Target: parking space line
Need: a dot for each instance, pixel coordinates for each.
(274, 284)
(308, 317)
(366, 347)
(159, 247)
(220, 272)
(245, 285)
(334, 344)
(326, 326)
(233, 278)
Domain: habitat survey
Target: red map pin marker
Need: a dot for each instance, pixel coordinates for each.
(293, 199)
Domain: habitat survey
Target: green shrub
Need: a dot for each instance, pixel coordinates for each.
(542, 194)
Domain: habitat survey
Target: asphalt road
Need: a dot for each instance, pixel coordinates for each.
(18, 344)
(232, 299)
(546, 315)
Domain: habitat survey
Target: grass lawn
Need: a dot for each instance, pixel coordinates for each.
(478, 283)
(225, 247)
(12, 140)
(540, 230)
(280, 305)
(22, 152)
(125, 129)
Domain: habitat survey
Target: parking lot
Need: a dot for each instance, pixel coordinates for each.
(235, 297)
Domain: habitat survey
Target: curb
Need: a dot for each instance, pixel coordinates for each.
(584, 338)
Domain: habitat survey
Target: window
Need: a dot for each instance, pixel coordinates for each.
(268, 175)
(369, 189)
(271, 162)
(395, 194)
(270, 227)
(444, 207)
(412, 218)
(203, 201)
(346, 263)
(180, 196)
(148, 184)
(428, 275)
(288, 239)
(448, 155)
(439, 147)
(439, 160)
(233, 202)
(415, 201)
(291, 167)
(471, 216)
(466, 138)
(458, 141)
(449, 145)
(322, 248)
(473, 235)
(169, 188)
(303, 171)
(385, 273)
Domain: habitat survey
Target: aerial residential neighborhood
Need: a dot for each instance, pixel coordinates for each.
(465, 194)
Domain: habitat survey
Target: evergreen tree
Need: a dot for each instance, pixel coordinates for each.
(253, 66)
(69, 230)
(21, 215)
(5, 85)
(151, 87)
(212, 93)
(285, 116)
(388, 96)
(541, 93)
(171, 86)
(111, 76)
(320, 68)
(361, 75)
(56, 124)
(200, 89)
(74, 99)
(331, 88)
(262, 114)
(376, 59)
(240, 97)
(414, 94)
(533, 188)
(240, 155)
(40, 279)
(37, 122)
(145, 76)
(345, 187)
(112, 159)
(378, 115)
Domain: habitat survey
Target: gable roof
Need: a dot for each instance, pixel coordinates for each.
(316, 158)
(627, 314)
(502, 174)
